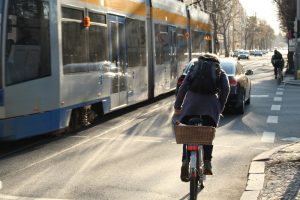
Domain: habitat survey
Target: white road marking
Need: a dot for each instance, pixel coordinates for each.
(9, 197)
(78, 136)
(279, 93)
(280, 88)
(291, 139)
(259, 95)
(275, 107)
(140, 140)
(272, 119)
(237, 147)
(133, 140)
(261, 148)
(268, 137)
(277, 98)
(226, 146)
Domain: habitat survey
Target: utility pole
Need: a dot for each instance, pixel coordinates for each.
(297, 50)
(188, 33)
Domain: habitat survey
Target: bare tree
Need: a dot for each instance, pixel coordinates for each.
(286, 13)
(215, 8)
(226, 17)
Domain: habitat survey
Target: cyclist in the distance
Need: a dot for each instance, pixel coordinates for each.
(209, 106)
(277, 62)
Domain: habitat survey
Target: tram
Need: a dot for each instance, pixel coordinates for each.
(64, 63)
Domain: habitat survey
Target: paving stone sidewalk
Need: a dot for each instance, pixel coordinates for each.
(282, 175)
(275, 175)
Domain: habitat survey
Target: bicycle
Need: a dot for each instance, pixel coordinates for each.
(195, 136)
(279, 75)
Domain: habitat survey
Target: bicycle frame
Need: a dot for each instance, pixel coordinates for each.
(196, 169)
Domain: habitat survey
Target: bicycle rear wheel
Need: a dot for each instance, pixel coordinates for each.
(279, 77)
(194, 187)
(200, 167)
(194, 178)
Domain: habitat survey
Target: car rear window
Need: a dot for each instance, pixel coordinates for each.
(228, 67)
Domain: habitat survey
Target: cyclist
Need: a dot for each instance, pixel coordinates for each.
(209, 106)
(277, 62)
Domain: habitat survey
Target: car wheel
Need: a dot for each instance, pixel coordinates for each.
(241, 108)
(248, 100)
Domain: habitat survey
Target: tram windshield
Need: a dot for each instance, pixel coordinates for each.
(27, 53)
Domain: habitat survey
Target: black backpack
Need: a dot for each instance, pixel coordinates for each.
(277, 61)
(206, 77)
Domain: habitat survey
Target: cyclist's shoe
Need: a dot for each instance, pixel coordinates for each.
(207, 167)
(185, 175)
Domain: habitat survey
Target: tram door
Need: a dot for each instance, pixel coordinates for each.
(173, 56)
(117, 55)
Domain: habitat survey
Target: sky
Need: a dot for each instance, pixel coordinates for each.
(264, 9)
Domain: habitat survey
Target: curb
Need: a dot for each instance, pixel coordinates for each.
(256, 173)
(290, 79)
(292, 82)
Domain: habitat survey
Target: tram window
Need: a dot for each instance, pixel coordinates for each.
(97, 43)
(196, 40)
(98, 18)
(70, 13)
(143, 43)
(161, 43)
(27, 41)
(182, 45)
(74, 47)
(198, 44)
(135, 42)
(98, 38)
(202, 43)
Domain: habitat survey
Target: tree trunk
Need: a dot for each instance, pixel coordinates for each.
(225, 44)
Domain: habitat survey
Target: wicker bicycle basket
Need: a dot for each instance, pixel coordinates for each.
(187, 134)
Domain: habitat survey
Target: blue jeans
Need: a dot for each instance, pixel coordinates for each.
(208, 149)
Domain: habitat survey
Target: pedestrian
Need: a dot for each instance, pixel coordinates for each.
(277, 62)
(191, 102)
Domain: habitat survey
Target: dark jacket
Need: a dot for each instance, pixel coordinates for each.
(192, 103)
(277, 59)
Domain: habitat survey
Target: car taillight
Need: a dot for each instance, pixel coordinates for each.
(233, 82)
(180, 80)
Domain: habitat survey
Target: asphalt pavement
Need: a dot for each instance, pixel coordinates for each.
(275, 174)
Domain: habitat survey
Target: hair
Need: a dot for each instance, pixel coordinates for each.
(210, 57)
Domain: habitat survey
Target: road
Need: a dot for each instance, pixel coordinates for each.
(134, 155)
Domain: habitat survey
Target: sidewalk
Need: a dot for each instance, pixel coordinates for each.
(290, 79)
(275, 174)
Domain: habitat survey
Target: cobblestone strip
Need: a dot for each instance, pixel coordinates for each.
(282, 175)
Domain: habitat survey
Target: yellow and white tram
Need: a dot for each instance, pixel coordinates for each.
(65, 62)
